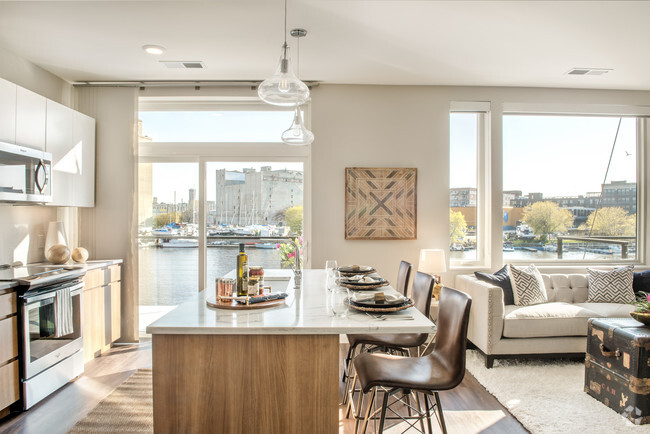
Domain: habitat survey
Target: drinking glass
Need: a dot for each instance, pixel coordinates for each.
(330, 265)
(332, 279)
(338, 297)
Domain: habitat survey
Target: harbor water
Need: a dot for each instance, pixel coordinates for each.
(168, 276)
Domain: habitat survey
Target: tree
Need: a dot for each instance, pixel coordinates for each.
(293, 217)
(165, 219)
(457, 227)
(611, 221)
(547, 218)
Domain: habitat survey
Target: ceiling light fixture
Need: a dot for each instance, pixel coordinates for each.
(283, 88)
(156, 50)
(298, 134)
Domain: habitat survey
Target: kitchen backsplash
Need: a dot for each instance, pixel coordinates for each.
(22, 231)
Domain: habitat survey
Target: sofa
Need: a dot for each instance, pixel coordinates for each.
(557, 328)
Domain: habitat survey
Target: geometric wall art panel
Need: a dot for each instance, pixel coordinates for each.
(380, 203)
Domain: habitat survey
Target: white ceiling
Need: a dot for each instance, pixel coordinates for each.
(492, 43)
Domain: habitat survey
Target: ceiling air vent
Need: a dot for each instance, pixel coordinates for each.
(176, 64)
(588, 71)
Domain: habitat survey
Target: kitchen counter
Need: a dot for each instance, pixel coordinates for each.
(211, 366)
(5, 286)
(305, 312)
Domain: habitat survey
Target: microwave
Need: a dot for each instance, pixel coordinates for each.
(25, 174)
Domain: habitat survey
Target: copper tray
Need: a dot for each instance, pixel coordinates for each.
(234, 305)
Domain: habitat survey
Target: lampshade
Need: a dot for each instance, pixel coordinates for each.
(298, 134)
(432, 261)
(283, 88)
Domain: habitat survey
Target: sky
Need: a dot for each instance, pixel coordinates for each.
(555, 155)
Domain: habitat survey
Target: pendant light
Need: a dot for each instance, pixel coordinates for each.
(298, 134)
(283, 88)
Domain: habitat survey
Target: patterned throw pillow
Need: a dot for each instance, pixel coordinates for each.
(527, 286)
(614, 286)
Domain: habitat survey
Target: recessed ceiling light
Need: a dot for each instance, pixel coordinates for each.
(154, 49)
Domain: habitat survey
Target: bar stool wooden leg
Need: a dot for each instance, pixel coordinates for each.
(350, 394)
(350, 369)
(366, 419)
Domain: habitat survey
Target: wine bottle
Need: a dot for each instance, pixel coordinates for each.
(242, 272)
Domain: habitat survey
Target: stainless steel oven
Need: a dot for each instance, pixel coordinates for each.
(50, 328)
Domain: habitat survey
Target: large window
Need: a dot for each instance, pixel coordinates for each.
(218, 170)
(570, 187)
(467, 211)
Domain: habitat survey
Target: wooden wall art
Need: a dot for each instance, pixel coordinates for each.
(380, 203)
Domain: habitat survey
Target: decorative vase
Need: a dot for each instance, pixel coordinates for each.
(55, 235)
(58, 254)
(643, 317)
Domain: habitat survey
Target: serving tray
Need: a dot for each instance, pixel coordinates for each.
(233, 305)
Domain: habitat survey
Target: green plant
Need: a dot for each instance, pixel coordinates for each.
(287, 253)
(642, 302)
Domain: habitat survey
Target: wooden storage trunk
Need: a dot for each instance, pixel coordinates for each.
(617, 368)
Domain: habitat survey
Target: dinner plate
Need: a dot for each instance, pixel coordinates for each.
(381, 305)
(350, 270)
(366, 286)
(382, 310)
(379, 281)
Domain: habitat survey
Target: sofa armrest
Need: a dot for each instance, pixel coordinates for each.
(486, 315)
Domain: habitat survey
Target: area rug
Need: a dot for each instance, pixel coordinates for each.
(129, 408)
(547, 396)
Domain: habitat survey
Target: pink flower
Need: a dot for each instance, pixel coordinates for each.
(291, 255)
(278, 246)
(648, 297)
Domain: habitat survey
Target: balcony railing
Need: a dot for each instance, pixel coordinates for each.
(624, 242)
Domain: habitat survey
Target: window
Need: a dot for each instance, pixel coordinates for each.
(572, 187)
(467, 211)
(217, 168)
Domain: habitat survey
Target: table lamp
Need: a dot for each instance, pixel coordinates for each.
(432, 261)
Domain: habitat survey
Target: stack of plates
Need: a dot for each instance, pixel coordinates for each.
(364, 284)
(386, 306)
(353, 270)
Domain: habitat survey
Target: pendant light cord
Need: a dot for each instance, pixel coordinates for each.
(285, 22)
(600, 199)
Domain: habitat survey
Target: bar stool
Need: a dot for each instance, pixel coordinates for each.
(442, 369)
(421, 293)
(401, 286)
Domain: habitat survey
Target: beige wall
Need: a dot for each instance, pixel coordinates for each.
(408, 126)
(23, 228)
(109, 229)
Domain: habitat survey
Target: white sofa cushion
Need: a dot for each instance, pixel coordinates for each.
(546, 320)
(609, 310)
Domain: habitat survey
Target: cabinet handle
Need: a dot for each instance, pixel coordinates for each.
(605, 352)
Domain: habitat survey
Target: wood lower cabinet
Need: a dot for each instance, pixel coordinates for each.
(102, 301)
(9, 380)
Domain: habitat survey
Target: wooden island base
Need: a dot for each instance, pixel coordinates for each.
(245, 383)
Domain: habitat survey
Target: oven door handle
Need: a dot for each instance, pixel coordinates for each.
(75, 290)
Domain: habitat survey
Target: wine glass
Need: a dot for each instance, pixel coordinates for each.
(330, 265)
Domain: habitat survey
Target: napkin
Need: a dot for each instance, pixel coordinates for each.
(362, 279)
(390, 298)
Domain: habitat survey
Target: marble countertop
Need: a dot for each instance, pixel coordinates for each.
(306, 312)
(96, 263)
(7, 285)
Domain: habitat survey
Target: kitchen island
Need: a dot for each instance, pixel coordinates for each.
(271, 370)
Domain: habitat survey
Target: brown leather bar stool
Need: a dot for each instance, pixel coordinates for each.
(421, 294)
(442, 369)
(401, 286)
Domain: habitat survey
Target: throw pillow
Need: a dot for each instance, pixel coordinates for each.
(641, 281)
(527, 286)
(501, 279)
(613, 286)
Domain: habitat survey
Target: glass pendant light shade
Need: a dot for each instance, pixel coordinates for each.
(284, 88)
(298, 134)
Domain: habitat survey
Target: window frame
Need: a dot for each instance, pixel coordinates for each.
(642, 115)
(208, 152)
(483, 190)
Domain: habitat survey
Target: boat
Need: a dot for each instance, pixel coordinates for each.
(508, 247)
(266, 246)
(179, 243)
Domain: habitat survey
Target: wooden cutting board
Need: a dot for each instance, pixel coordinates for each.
(233, 305)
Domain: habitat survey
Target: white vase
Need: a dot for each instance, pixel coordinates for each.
(55, 235)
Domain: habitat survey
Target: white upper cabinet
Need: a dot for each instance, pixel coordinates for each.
(30, 119)
(70, 138)
(83, 137)
(7, 111)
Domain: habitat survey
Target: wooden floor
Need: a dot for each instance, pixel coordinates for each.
(468, 408)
